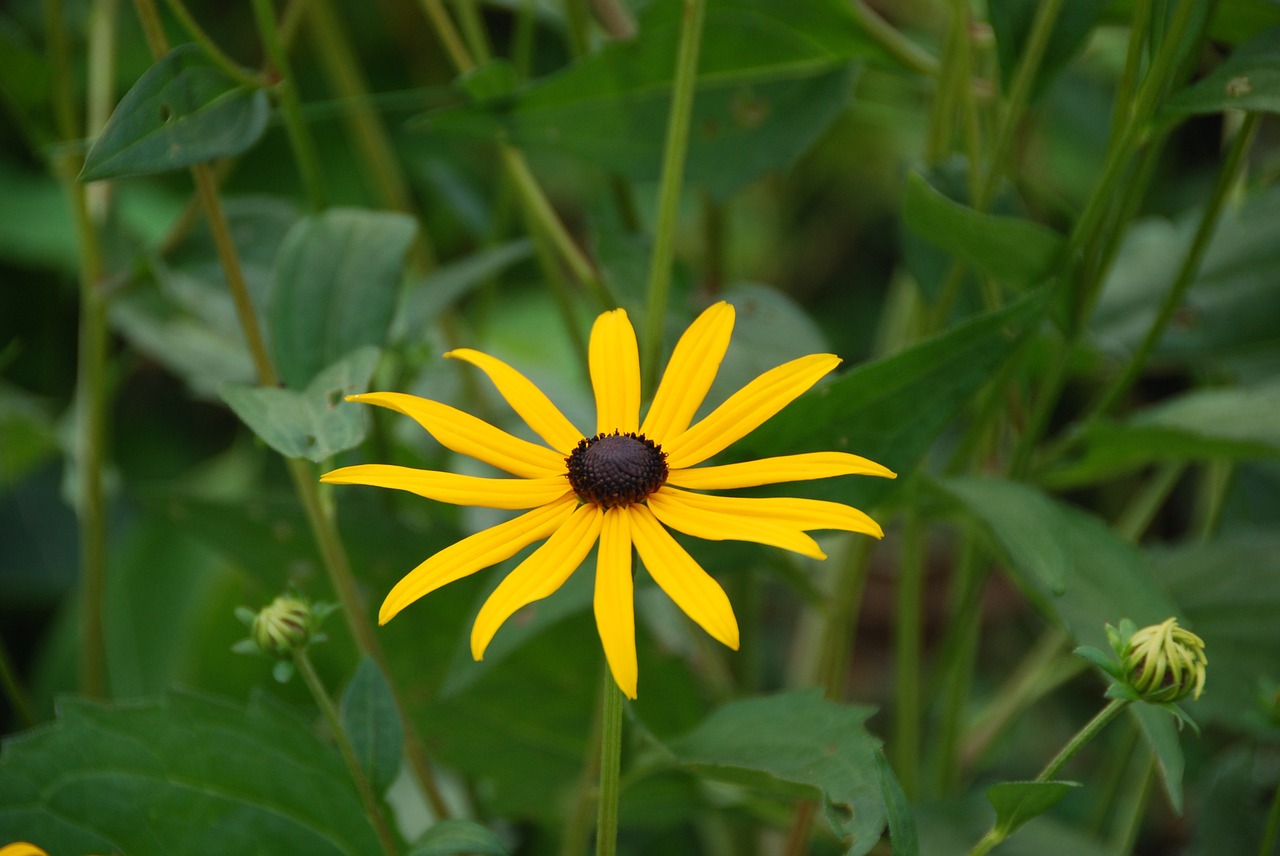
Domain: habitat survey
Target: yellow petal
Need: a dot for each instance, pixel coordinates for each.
(682, 578)
(747, 409)
(525, 398)
(615, 601)
(542, 573)
(689, 374)
(787, 468)
(674, 509)
(450, 487)
(615, 373)
(467, 435)
(21, 848)
(804, 514)
(475, 553)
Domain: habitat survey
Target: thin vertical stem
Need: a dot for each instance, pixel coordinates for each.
(959, 653)
(895, 44)
(683, 84)
(473, 29)
(1269, 835)
(361, 781)
(211, 50)
(610, 766)
(449, 36)
(19, 701)
(578, 25)
(906, 652)
(1133, 798)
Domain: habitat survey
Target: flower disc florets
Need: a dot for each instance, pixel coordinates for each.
(616, 470)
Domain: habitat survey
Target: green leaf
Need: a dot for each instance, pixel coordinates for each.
(1011, 21)
(1018, 802)
(447, 837)
(184, 110)
(1249, 79)
(902, 820)
(1009, 249)
(186, 774)
(891, 410)
(372, 725)
(797, 744)
(1159, 730)
(769, 83)
(426, 298)
(316, 423)
(337, 281)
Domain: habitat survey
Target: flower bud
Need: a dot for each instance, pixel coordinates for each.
(1165, 662)
(283, 626)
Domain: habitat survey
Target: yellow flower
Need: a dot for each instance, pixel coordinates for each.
(21, 848)
(1166, 662)
(619, 486)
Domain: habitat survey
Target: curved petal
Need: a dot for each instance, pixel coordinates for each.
(682, 578)
(467, 435)
(615, 601)
(786, 512)
(475, 553)
(787, 468)
(689, 373)
(525, 398)
(615, 373)
(542, 573)
(453, 488)
(672, 509)
(747, 409)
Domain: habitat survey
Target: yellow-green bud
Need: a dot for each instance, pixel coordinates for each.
(1165, 662)
(283, 626)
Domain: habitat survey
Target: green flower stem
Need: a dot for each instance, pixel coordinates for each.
(895, 44)
(1272, 831)
(1187, 271)
(906, 652)
(610, 766)
(836, 648)
(449, 36)
(304, 149)
(683, 84)
(473, 29)
(578, 25)
(577, 824)
(19, 700)
(230, 67)
(1091, 729)
(1214, 484)
(363, 788)
(1134, 57)
(1142, 509)
(959, 654)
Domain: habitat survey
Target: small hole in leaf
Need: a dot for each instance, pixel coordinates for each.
(311, 439)
(165, 113)
(333, 397)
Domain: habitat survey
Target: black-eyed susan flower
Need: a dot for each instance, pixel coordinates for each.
(621, 487)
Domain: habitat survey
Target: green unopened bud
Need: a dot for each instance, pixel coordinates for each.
(284, 626)
(1165, 662)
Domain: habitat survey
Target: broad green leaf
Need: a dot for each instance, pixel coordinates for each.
(184, 110)
(1018, 802)
(186, 774)
(1238, 423)
(1012, 19)
(372, 725)
(425, 299)
(769, 83)
(27, 437)
(902, 820)
(891, 410)
(797, 744)
(1102, 578)
(336, 285)
(1008, 249)
(1249, 79)
(315, 423)
(448, 837)
(1160, 730)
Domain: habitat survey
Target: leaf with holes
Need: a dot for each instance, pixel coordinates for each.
(184, 110)
(315, 423)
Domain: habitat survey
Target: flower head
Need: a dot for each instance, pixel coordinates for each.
(1165, 662)
(622, 485)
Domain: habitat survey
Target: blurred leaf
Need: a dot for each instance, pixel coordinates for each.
(489, 80)
(769, 84)
(1018, 802)
(1159, 729)
(1249, 79)
(1230, 819)
(27, 437)
(184, 110)
(891, 410)
(1230, 590)
(316, 423)
(823, 750)
(1238, 20)
(1011, 20)
(372, 725)
(186, 774)
(902, 820)
(448, 837)
(1208, 424)
(426, 298)
(1008, 249)
(337, 281)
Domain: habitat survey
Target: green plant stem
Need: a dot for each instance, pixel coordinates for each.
(959, 653)
(578, 25)
(1272, 831)
(473, 29)
(1133, 802)
(363, 788)
(230, 67)
(610, 766)
(683, 85)
(1142, 509)
(1140, 23)
(577, 824)
(894, 43)
(1187, 271)
(300, 140)
(449, 36)
(19, 700)
(1215, 483)
(797, 843)
(906, 650)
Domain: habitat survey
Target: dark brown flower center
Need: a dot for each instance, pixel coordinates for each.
(613, 470)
